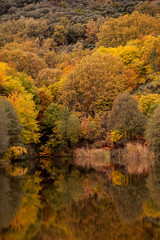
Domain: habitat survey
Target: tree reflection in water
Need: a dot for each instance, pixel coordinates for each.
(10, 197)
(75, 206)
(129, 200)
(153, 183)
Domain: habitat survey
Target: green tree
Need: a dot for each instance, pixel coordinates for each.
(51, 116)
(73, 128)
(126, 116)
(68, 127)
(10, 129)
(62, 127)
(153, 131)
(4, 137)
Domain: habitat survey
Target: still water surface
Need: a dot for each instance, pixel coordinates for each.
(69, 204)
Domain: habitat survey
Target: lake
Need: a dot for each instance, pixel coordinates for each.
(63, 202)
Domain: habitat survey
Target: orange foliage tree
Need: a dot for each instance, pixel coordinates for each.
(95, 82)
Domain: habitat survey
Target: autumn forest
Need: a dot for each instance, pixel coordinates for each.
(79, 81)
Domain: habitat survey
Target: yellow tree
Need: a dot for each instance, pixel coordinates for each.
(132, 57)
(27, 114)
(3, 76)
(11, 81)
(147, 103)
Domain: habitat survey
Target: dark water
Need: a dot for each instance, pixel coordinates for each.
(68, 204)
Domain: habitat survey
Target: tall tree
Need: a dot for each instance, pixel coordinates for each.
(126, 116)
(95, 82)
(10, 129)
(153, 131)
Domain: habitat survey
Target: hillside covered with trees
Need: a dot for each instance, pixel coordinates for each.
(78, 73)
(79, 119)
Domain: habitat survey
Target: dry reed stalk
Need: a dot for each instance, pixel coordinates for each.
(91, 157)
(139, 158)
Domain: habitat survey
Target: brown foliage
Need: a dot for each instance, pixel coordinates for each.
(139, 158)
(95, 82)
(119, 31)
